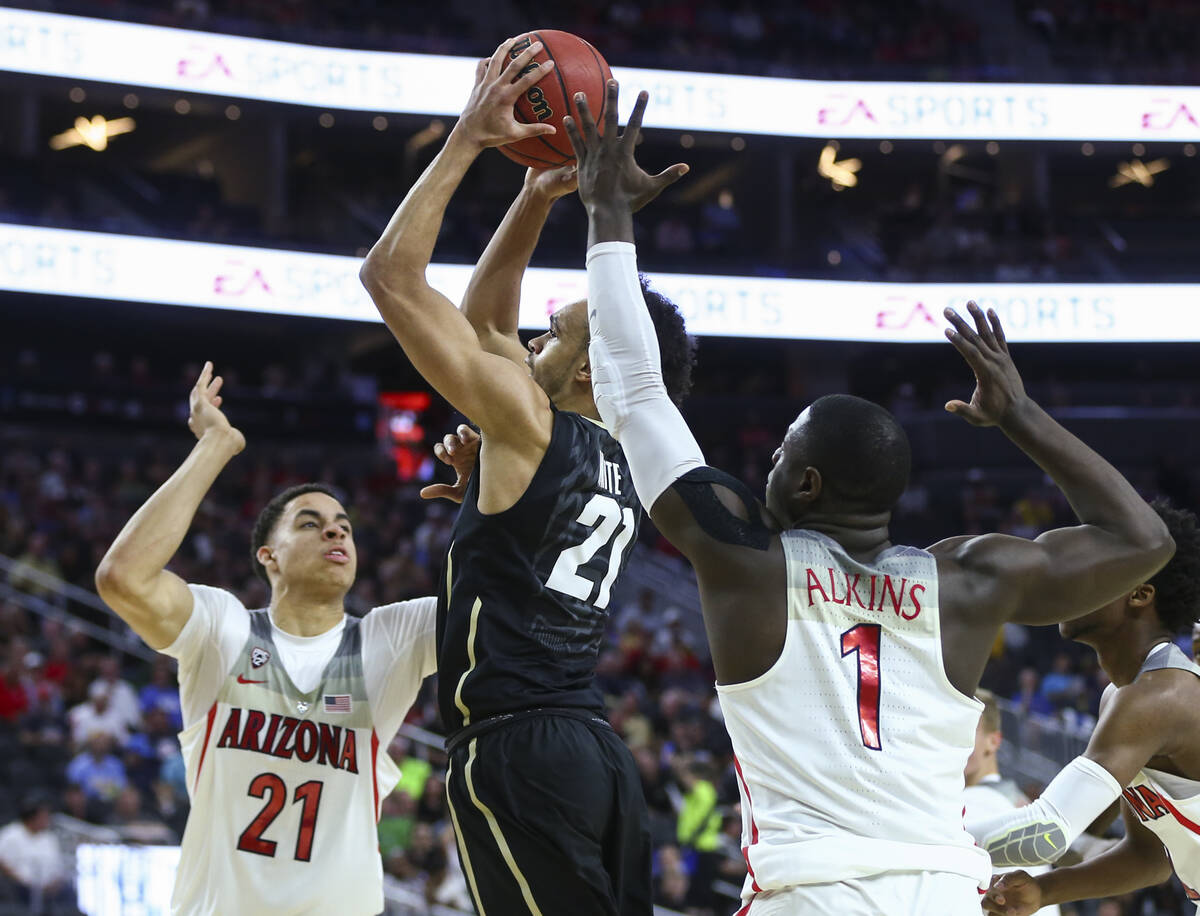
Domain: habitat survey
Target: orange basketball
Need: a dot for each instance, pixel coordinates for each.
(578, 67)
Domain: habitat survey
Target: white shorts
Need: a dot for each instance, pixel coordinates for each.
(896, 894)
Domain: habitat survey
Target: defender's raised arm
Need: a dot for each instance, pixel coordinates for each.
(132, 578)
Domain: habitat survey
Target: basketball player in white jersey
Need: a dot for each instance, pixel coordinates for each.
(988, 793)
(846, 665)
(287, 711)
(1145, 751)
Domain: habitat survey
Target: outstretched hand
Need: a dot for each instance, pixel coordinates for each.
(488, 118)
(998, 386)
(204, 403)
(459, 450)
(608, 173)
(1014, 894)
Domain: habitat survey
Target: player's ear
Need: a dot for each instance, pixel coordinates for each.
(584, 372)
(267, 558)
(1142, 596)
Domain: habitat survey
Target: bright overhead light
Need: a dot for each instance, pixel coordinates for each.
(841, 174)
(1137, 172)
(93, 134)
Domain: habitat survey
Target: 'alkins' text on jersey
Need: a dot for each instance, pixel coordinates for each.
(525, 592)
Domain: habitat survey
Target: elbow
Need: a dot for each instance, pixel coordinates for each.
(390, 283)
(1158, 543)
(109, 581)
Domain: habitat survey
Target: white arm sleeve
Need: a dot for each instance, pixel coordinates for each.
(1042, 831)
(627, 381)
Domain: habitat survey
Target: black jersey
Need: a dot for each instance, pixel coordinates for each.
(525, 593)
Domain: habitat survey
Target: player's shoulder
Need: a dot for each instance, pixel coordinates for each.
(1165, 699)
(411, 615)
(210, 595)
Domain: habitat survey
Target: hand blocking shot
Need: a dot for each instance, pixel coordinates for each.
(846, 664)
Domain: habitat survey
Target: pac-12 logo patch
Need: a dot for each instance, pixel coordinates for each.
(259, 657)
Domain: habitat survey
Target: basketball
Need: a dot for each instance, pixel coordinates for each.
(578, 67)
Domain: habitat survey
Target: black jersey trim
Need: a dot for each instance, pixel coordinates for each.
(695, 488)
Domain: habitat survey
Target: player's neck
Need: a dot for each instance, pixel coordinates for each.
(580, 403)
(1122, 656)
(984, 774)
(306, 615)
(862, 535)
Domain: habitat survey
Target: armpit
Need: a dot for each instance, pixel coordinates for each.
(696, 489)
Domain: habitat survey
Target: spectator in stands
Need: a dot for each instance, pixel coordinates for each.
(97, 715)
(1061, 686)
(122, 698)
(162, 693)
(1028, 698)
(135, 823)
(97, 770)
(35, 561)
(31, 858)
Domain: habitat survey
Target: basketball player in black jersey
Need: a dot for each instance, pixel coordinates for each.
(545, 798)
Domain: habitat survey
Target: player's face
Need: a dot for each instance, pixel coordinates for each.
(785, 463)
(555, 357)
(312, 545)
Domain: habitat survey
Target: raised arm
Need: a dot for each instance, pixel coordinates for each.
(627, 379)
(491, 390)
(1120, 541)
(132, 578)
(493, 299)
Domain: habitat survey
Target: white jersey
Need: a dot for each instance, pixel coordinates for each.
(993, 796)
(850, 749)
(1167, 804)
(285, 744)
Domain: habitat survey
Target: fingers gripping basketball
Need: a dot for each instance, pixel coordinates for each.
(578, 67)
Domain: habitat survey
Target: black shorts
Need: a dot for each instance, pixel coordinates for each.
(551, 820)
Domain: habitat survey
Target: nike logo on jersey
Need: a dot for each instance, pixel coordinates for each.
(244, 680)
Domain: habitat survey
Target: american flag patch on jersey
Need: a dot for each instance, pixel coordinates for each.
(339, 702)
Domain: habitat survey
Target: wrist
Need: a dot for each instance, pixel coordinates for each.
(222, 439)
(609, 222)
(1023, 411)
(461, 142)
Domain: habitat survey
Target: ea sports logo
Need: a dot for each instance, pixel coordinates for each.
(259, 657)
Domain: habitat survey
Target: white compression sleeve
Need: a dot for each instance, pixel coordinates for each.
(627, 378)
(1042, 831)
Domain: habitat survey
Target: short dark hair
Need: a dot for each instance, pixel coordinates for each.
(678, 350)
(1177, 585)
(269, 517)
(861, 451)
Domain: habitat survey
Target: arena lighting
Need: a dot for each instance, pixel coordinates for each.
(182, 60)
(93, 134)
(122, 268)
(1137, 172)
(840, 174)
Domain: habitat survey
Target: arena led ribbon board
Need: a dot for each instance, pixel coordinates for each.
(123, 268)
(129, 54)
